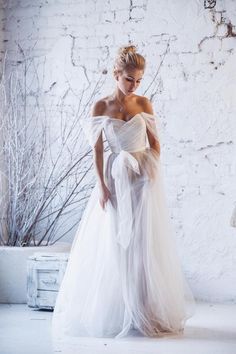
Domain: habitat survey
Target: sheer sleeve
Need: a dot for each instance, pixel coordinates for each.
(152, 124)
(92, 128)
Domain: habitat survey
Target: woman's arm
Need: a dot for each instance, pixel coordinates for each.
(97, 110)
(153, 142)
(98, 160)
(98, 149)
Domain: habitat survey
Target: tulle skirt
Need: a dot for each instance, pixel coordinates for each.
(124, 271)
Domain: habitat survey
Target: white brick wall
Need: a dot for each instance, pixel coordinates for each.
(193, 94)
(1, 38)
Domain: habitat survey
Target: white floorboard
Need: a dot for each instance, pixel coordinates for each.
(212, 330)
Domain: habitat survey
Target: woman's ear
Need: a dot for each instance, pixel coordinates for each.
(115, 72)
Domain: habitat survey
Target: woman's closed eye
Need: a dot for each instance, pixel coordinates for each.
(138, 82)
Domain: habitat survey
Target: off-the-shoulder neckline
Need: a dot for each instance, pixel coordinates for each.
(122, 120)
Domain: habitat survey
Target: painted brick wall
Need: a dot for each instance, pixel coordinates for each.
(191, 73)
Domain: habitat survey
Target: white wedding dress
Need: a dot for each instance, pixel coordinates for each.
(123, 271)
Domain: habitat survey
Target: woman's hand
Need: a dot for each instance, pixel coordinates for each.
(105, 194)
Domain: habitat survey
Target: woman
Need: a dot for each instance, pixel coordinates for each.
(124, 272)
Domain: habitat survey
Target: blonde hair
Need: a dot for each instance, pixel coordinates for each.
(128, 58)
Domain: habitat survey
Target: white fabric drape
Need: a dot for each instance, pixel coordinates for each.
(124, 270)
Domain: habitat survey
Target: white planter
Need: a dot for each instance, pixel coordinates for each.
(44, 277)
(13, 270)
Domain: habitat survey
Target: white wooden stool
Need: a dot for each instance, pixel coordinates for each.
(45, 272)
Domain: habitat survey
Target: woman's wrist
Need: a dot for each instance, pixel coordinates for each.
(101, 183)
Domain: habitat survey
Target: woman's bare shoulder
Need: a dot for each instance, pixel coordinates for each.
(99, 108)
(145, 103)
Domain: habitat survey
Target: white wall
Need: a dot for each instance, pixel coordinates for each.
(1, 37)
(193, 95)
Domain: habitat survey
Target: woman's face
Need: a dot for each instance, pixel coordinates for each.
(129, 80)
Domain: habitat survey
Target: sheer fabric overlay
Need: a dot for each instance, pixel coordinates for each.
(124, 271)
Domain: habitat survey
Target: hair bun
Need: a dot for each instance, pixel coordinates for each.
(127, 58)
(127, 49)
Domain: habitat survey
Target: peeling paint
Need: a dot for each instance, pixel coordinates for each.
(220, 143)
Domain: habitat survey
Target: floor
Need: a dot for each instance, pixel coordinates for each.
(211, 330)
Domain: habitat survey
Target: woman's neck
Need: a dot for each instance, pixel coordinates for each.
(118, 94)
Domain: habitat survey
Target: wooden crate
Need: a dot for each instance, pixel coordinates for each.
(45, 272)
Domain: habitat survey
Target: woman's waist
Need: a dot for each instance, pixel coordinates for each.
(129, 150)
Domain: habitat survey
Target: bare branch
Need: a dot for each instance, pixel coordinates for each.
(44, 170)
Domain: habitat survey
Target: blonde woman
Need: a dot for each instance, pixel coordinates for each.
(124, 274)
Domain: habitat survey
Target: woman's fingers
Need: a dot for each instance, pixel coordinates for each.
(105, 195)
